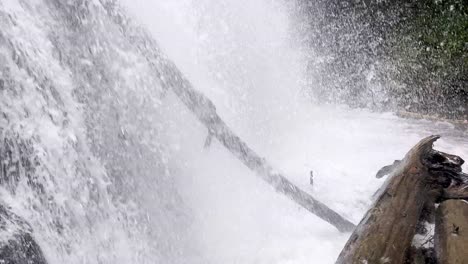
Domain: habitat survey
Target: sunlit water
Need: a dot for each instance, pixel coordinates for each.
(122, 162)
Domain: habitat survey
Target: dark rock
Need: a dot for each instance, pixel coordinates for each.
(17, 160)
(20, 248)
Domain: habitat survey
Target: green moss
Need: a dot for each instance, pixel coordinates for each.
(430, 49)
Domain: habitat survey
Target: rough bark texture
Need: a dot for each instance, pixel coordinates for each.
(387, 230)
(456, 192)
(404, 204)
(451, 240)
(418, 255)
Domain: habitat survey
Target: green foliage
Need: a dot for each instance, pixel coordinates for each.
(429, 49)
(444, 27)
(391, 54)
(440, 29)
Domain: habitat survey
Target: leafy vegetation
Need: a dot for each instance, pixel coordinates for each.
(430, 50)
(392, 55)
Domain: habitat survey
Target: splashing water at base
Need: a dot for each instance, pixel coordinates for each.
(122, 162)
(242, 54)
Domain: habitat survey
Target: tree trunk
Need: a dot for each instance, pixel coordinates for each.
(205, 111)
(387, 230)
(172, 79)
(451, 239)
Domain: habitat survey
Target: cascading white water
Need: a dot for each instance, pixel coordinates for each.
(84, 105)
(124, 173)
(241, 54)
(246, 57)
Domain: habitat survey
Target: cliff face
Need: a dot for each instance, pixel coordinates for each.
(80, 133)
(389, 55)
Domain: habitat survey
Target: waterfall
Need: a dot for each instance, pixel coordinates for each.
(81, 122)
(102, 163)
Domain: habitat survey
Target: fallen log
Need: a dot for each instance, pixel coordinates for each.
(451, 235)
(172, 79)
(456, 192)
(205, 111)
(386, 232)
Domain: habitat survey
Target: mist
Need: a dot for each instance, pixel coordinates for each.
(114, 168)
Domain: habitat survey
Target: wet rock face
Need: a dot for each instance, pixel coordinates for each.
(17, 160)
(22, 250)
(17, 245)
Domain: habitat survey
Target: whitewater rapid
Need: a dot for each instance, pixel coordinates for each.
(240, 219)
(122, 161)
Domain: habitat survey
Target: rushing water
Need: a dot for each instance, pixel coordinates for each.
(119, 173)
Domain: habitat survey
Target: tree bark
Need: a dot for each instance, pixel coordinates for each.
(456, 192)
(451, 239)
(385, 233)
